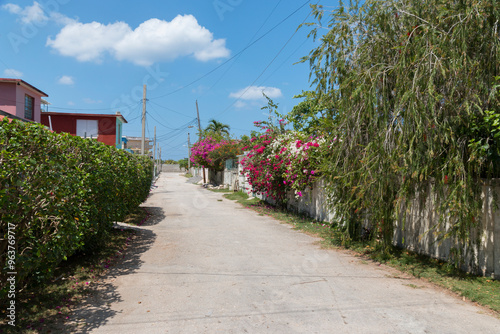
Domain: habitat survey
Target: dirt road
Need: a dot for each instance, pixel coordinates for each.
(204, 264)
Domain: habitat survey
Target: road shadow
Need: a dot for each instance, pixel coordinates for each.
(156, 215)
(95, 310)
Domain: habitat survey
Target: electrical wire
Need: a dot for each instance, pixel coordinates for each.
(233, 57)
(169, 109)
(251, 39)
(262, 73)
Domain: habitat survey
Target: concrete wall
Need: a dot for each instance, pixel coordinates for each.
(174, 168)
(418, 230)
(199, 172)
(215, 178)
(313, 203)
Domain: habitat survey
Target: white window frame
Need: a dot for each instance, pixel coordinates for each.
(87, 128)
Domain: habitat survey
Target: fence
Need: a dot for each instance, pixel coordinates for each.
(420, 229)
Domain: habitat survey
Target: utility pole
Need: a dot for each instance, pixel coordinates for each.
(161, 162)
(158, 158)
(189, 154)
(199, 129)
(143, 141)
(154, 156)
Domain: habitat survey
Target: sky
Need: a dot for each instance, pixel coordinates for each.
(95, 57)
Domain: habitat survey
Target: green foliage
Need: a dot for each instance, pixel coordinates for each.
(62, 193)
(306, 116)
(217, 130)
(183, 163)
(212, 152)
(403, 82)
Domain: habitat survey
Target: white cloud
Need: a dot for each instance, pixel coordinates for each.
(36, 14)
(28, 14)
(90, 101)
(66, 80)
(71, 103)
(240, 104)
(90, 41)
(60, 18)
(152, 41)
(12, 8)
(12, 73)
(256, 93)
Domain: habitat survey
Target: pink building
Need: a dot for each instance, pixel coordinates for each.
(20, 99)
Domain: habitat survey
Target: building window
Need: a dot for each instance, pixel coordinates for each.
(29, 107)
(87, 128)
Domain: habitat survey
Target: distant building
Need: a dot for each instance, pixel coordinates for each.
(133, 144)
(20, 99)
(105, 128)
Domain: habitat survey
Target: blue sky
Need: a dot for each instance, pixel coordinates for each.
(95, 56)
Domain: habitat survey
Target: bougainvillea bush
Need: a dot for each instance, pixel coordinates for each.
(212, 153)
(60, 194)
(282, 161)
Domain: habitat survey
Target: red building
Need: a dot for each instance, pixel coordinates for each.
(106, 128)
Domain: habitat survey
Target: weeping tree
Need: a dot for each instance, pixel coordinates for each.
(411, 94)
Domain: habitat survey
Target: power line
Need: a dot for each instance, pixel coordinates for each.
(169, 109)
(251, 39)
(236, 55)
(265, 69)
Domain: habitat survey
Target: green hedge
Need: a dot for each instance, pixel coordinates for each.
(62, 193)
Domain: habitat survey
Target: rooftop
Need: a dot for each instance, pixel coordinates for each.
(55, 113)
(23, 83)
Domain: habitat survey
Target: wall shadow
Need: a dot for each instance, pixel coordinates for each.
(95, 310)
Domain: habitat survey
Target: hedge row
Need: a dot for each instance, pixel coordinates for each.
(61, 194)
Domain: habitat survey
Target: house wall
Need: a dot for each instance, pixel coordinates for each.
(67, 123)
(107, 130)
(12, 99)
(134, 144)
(118, 134)
(21, 91)
(8, 98)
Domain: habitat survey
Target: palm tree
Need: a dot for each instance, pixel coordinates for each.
(217, 127)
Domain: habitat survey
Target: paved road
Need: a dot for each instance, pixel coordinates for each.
(207, 265)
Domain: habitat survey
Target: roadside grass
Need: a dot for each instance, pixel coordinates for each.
(221, 190)
(482, 290)
(188, 175)
(40, 306)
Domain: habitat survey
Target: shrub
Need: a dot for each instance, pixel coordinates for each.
(61, 194)
(211, 152)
